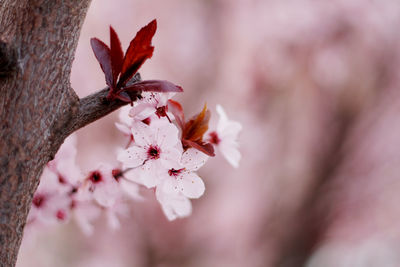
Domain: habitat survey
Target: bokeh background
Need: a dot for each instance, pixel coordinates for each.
(316, 86)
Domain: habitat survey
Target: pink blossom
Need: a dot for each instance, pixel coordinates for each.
(184, 180)
(156, 148)
(152, 106)
(225, 138)
(102, 185)
(50, 203)
(178, 185)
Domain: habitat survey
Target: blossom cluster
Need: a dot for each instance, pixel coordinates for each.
(163, 153)
(164, 150)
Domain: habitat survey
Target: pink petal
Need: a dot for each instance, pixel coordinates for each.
(231, 153)
(132, 157)
(193, 159)
(174, 205)
(166, 133)
(191, 185)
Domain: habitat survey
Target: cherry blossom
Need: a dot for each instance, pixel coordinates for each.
(156, 148)
(102, 185)
(151, 106)
(50, 203)
(159, 155)
(154, 158)
(184, 180)
(178, 185)
(226, 136)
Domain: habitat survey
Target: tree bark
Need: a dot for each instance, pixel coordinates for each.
(38, 107)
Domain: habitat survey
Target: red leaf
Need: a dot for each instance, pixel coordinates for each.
(123, 96)
(206, 148)
(195, 128)
(177, 111)
(102, 53)
(153, 86)
(117, 55)
(138, 51)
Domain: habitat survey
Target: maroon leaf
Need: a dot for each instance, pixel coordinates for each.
(206, 148)
(102, 53)
(177, 111)
(117, 55)
(153, 86)
(123, 96)
(195, 128)
(138, 51)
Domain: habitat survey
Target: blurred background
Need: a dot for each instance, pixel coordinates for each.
(316, 86)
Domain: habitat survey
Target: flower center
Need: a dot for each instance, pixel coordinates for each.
(38, 200)
(162, 112)
(61, 179)
(153, 152)
(175, 173)
(117, 173)
(61, 215)
(95, 177)
(214, 139)
(147, 121)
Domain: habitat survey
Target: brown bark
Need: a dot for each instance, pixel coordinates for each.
(38, 107)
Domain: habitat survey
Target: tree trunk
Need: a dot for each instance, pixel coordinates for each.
(38, 107)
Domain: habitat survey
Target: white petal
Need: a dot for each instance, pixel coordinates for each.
(162, 98)
(149, 174)
(171, 158)
(132, 157)
(169, 185)
(131, 189)
(142, 111)
(231, 153)
(123, 128)
(134, 175)
(191, 185)
(174, 205)
(166, 134)
(225, 126)
(106, 194)
(221, 113)
(143, 134)
(84, 214)
(124, 115)
(193, 159)
(112, 219)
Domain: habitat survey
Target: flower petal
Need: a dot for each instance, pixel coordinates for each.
(166, 134)
(193, 159)
(191, 185)
(132, 157)
(174, 205)
(231, 153)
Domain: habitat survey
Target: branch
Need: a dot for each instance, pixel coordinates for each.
(96, 106)
(38, 42)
